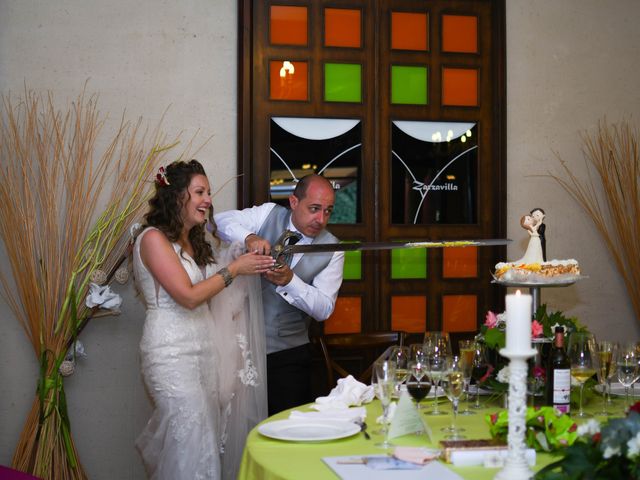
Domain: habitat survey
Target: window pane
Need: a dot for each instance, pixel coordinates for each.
(342, 82)
(326, 146)
(342, 27)
(288, 80)
(460, 33)
(434, 172)
(408, 85)
(460, 87)
(409, 31)
(409, 313)
(288, 25)
(346, 317)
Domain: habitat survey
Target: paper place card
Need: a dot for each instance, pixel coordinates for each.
(347, 468)
(407, 419)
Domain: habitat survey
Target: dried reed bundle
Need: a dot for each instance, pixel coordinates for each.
(53, 185)
(611, 196)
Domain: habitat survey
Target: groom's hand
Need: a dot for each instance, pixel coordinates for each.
(257, 244)
(279, 276)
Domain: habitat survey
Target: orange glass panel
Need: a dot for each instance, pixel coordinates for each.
(459, 313)
(409, 313)
(460, 262)
(342, 27)
(347, 316)
(460, 87)
(459, 33)
(409, 31)
(288, 25)
(288, 80)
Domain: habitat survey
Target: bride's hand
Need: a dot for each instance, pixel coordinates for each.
(250, 264)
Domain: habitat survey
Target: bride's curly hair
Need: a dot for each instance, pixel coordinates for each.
(165, 208)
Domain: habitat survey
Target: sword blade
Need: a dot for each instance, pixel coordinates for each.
(362, 246)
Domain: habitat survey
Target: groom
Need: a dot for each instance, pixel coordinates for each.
(291, 295)
(538, 216)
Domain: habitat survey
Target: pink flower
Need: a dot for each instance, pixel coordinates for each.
(491, 320)
(536, 329)
(539, 372)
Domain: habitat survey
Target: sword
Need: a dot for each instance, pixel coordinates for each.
(286, 246)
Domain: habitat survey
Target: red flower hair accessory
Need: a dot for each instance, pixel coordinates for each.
(161, 178)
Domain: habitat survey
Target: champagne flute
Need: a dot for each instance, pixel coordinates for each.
(415, 386)
(606, 352)
(453, 385)
(581, 353)
(385, 386)
(479, 370)
(400, 356)
(627, 368)
(437, 369)
(466, 358)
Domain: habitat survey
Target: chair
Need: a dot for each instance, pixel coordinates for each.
(355, 352)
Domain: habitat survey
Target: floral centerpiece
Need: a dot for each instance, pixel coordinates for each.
(492, 335)
(547, 429)
(608, 450)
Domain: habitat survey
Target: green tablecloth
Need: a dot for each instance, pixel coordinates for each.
(268, 459)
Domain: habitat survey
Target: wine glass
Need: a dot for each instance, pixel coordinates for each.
(466, 359)
(581, 353)
(417, 352)
(627, 368)
(606, 352)
(415, 386)
(479, 370)
(437, 369)
(437, 342)
(453, 385)
(400, 356)
(385, 385)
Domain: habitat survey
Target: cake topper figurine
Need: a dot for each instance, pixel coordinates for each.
(533, 253)
(538, 215)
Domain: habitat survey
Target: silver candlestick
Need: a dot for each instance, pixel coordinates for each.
(516, 466)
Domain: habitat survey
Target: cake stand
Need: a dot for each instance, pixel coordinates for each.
(534, 287)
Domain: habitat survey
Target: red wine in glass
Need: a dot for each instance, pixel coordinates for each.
(418, 390)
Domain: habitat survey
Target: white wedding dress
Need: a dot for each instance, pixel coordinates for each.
(205, 374)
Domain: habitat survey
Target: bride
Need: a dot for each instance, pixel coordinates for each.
(201, 349)
(533, 254)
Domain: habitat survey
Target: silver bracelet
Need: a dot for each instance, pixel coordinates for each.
(226, 276)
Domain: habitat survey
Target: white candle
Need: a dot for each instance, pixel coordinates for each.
(518, 323)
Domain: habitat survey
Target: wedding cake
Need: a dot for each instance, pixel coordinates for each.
(532, 268)
(531, 272)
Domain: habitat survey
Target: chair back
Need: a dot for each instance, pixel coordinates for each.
(354, 353)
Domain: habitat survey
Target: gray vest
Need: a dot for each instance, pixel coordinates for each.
(286, 326)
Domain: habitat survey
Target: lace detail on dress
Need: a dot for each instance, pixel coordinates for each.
(249, 374)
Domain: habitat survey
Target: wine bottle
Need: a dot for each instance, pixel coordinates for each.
(559, 374)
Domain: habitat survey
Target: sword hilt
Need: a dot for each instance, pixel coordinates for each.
(279, 252)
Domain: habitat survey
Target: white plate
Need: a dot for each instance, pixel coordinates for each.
(617, 389)
(294, 430)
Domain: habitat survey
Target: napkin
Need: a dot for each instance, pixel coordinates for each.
(356, 414)
(347, 393)
(416, 455)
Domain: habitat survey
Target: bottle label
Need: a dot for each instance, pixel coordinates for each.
(562, 389)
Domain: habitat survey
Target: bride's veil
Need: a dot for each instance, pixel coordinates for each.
(240, 343)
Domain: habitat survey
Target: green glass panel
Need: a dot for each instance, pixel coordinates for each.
(409, 85)
(352, 266)
(409, 263)
(342, 82)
